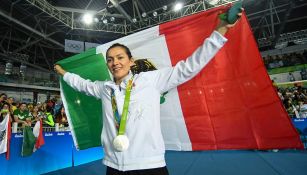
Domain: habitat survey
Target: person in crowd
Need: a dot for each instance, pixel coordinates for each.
(303, 73)
(22, 115)
(36, 114)
(145, 89)
(57, 106)
(44, 107)
(3, 98)
(5, 111)
(61, 117)
(30, 107)
(291, 77)
(48, 118)
(12, 104)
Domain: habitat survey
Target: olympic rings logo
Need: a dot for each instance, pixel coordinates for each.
(74, 46)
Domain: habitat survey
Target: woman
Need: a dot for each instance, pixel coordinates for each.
(36, 114)
(5, 112)
(141, 125)
(61, 117)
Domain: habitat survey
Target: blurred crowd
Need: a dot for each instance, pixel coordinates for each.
(294, 100)
(285, 60)
(27, 114)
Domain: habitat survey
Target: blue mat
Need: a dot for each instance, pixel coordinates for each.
(286, 162)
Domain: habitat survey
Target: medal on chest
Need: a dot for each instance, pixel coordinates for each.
(121, 141)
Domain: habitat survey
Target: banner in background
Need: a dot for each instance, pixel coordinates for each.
(74, 46)
(90, 45)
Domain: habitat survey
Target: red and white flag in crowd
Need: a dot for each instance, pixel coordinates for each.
(5, 136)
(38, 133)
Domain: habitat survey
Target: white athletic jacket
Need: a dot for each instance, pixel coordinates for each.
(143, 129)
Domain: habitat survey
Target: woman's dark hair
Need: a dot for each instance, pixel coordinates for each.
(127, 50)
(49, 109)
(5, 103)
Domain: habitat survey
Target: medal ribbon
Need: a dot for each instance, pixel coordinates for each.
(121, 121)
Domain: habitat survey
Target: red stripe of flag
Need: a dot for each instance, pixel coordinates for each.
(231, 104)
(9, 133)
(40, 139)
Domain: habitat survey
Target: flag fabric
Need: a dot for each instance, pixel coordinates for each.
(5, 136)
(231, 104)
(32, 140)
(38, 133)
(28, 142)
(9, 135)
(84, 112)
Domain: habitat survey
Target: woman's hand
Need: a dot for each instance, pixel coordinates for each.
(223, 27)
(59, 70)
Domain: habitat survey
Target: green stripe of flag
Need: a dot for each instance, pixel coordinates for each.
(85, 111)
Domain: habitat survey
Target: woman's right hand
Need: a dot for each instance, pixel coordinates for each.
(58, 69)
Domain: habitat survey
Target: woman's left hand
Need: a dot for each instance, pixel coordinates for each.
(223, 27)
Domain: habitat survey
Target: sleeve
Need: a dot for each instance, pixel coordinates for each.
(168, 78)
(49, 120)
(86, 86)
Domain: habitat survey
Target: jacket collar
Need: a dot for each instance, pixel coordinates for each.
(123, 84)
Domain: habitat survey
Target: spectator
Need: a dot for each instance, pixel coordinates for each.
(303, 111)
(5, 111)
(303, 74)
(3, 98)
(35, 112)
(48, 120)
(30, 107)
(22, 115)
(291, 77)
(61, 117)
(44, 107)
(13, 107)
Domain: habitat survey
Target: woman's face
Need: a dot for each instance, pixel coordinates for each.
(35, 109)
(62, 110)
(5, 106)
(118, 62)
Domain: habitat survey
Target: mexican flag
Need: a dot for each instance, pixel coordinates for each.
(32, 140)
(231, 104)
(38, 134)
(5, 136)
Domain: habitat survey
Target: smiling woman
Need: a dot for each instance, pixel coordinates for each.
(119, 61)
(137, 146)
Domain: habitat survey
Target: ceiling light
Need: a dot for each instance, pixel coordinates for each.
(144, 14)
(96, 20)
(87, 18)
(178, 6)
(112, 19)
(105, 21)
(155, 14)
(134, 20)
(164, 7)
